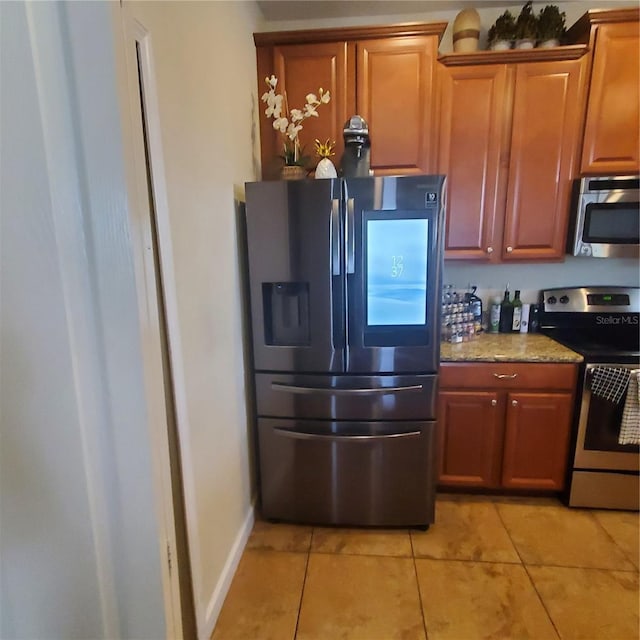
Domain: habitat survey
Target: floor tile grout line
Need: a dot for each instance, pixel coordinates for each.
(593, 517)
(526, 570)
(415, 572)
(304, 582)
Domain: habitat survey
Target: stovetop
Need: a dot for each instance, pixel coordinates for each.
(601, 323)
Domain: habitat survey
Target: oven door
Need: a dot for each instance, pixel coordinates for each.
(599, 426)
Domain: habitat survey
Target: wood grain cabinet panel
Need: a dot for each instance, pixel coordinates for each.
(546, 117)
(472, 145)
(509, 437)
(509, 143)
(469, 434)
(536, 440)
(395, 96)
(385, 73)
(302, 69)
(612, 130)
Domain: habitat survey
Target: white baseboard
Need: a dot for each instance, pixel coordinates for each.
(229, 570)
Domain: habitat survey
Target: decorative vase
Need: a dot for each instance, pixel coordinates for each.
(549, 44)
(466, 31)
(326, 169)
(293, 172)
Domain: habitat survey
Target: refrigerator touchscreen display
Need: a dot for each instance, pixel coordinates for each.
(396, 267)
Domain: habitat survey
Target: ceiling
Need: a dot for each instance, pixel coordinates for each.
(276, 10)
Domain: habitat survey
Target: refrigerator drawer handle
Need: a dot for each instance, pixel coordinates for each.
(277, 386)
(298, 435)
(351, 237)
(335, 237)
(503, 376)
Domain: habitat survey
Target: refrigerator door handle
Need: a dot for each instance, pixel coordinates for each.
(335, 237)
(277, 386)
(350, 236)
(299, 435)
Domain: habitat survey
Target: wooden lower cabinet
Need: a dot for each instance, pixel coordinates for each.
(501, 436)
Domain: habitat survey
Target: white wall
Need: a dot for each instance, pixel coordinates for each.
(79, 541)
(205, 70)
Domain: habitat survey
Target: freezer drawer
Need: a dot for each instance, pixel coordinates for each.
(346, 397)
(347, 473)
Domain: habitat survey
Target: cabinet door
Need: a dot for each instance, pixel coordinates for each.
(545, 136)
(469, 438)
(612, 134)
(394, 95)
(303, 69)
(536, 440)
(473, 114)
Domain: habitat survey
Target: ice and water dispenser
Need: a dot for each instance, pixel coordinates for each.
(286, 313)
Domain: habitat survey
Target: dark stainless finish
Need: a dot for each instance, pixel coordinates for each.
(335, 238)
(355, 473)
(415, 349)
(384, 398)
(289, 433)
(350, 236)
(614, 197)
(289, 238)
(367, 392)
(346, 409)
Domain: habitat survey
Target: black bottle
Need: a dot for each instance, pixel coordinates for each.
(506, 313)
(517, 312)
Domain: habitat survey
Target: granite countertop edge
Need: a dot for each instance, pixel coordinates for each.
(509, 348)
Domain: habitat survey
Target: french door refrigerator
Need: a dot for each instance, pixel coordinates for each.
(345, 280)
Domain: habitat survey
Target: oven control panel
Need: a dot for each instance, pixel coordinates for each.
(614, 300)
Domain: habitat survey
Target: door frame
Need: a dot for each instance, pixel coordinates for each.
(139, 182)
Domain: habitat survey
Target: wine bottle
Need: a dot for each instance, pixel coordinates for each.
(506, 312)
(517, 312)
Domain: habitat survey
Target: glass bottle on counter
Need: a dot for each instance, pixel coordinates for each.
(517, 312)
(494, 315)
(506, 312)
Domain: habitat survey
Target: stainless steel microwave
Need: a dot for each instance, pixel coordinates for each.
(605, 217)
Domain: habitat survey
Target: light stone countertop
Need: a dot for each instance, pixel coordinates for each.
(508, 347)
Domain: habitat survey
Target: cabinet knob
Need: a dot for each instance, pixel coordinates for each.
(509, 249)
(489, 249)
(494, 402)
(514, 403)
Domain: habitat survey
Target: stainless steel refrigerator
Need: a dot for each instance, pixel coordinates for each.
(344, 285)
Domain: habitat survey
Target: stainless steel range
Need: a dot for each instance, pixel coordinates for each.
(602, 324)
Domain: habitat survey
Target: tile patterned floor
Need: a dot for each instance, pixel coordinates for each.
(502, 568)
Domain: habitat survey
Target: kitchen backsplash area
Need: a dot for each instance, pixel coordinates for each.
(530, 279)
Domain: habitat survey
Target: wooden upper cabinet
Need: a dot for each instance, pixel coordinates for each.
(393, 92)
(547, 112)
(303, 69)
(612, 130)
(395, 96)
(473, 144)
(509, 143)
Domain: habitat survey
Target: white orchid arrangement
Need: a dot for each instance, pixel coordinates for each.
(288, 122)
